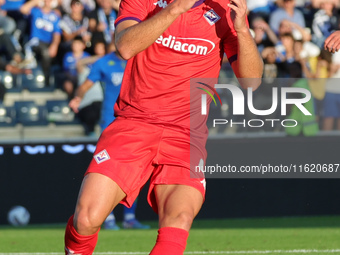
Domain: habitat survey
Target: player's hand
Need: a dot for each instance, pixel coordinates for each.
(182, 6)
(238, 14)
(74, 104)
(332, 43)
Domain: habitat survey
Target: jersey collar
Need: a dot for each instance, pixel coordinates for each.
(199, 2)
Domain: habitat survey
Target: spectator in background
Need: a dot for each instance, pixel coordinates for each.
(332, 96)
(12, 63)
(89, 6)
(260, 8)
(287, 12)
(320, 72)
(7, 24)
(10, 52)
(288, 41)
(75, 24)
(45, 33)
(289, 65)
(295, 57)
(12, 8)
(70, 65)
(323, 65)
(91, 104)
(115, 5)
(308, 52)
(324, 22)
(287, 26)
(13, 69)
(108, 69)
(102, 21)
(302, 57)
(264, 36)
(270, 71)
(99, 51)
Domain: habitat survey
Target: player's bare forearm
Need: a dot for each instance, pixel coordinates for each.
(249, 65)
(75, 102)
(132, 37)
(81, 91)
(86, 61)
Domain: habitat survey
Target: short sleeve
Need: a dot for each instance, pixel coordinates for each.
(132, 10)
(64, 24)
(95, 73)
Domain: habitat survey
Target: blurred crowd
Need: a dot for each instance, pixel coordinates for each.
(290, 36)
(55, 34)
(68, 35)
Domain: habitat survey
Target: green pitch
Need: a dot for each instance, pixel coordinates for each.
(305, 235)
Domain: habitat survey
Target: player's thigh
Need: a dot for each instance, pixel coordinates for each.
(98, 196)
(177, 205)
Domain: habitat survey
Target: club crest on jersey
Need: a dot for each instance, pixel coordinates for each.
(161, 3)
(101, 156)
(211, 16)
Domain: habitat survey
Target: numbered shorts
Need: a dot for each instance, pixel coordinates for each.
(130, 152)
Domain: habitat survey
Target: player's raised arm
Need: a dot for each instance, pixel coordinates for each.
(332, 43)
(249, 63)
(133, 37)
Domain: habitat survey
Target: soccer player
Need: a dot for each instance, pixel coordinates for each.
(109, 69)
(70, 61)
(167, 43)
(102, 21)
(45, 34)
(332, 43)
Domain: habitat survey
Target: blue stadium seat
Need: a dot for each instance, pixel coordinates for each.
(34, 82)
(30, 114)
(7, 116)
(10, 82)
(60, 113)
